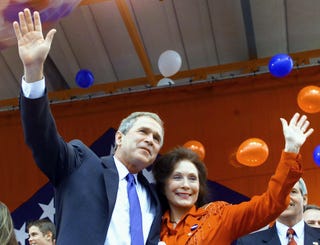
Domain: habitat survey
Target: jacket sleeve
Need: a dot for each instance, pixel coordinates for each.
(252, 215)
(52, 154)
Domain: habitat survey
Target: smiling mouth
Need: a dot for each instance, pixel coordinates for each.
(183, 195)
(146, 149)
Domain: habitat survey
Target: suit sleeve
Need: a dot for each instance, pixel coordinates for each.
(52, 154)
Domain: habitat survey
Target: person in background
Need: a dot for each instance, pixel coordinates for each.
(289, 227)
(41, 232)
(311, 215)
(7, 235)
(91, 193)
(181, 182)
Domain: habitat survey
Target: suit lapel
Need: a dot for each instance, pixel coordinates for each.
(142, 179)
(271, 236)
(111, 182)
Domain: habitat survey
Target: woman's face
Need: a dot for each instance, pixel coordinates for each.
(182, 186)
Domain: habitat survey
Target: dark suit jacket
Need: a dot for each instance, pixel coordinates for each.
(85, 185)
(270, 236)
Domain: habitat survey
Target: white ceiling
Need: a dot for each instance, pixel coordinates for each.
(120, 41)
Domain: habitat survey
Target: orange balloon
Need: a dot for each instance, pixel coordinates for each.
(252, 152)
(309, 99)
(233, 160)
(197, 147)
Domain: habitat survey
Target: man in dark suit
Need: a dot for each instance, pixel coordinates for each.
(91, 196)
(292, 217)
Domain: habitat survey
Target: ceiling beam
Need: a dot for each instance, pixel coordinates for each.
(249, 67)
(136, 40)
(87, 2)
(134, 35)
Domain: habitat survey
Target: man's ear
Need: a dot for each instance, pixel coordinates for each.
(118, 138)
(48, 236)
(305, 200)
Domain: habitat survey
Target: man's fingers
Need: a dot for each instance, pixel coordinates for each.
(23, 25)
(28, 18)
(50, 36)
(17, 31)
(37, 21)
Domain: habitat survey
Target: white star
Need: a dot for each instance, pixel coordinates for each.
(48, 210)
(21, 234)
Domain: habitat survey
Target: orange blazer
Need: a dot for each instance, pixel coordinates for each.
(221, 223)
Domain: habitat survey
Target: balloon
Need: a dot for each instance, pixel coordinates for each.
(309, 99)
(280, 65)
(84, 78)
(50, 11)
(169, 63)
(10, 12)
(233, 160)
(165, 81)
(316, 155)
(55, 13)
(252, 152)
(197, 147)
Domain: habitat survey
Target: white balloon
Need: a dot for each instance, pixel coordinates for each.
(169, 63)
(165, 82)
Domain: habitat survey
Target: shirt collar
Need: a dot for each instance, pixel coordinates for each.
(122, 170)
(298, 228)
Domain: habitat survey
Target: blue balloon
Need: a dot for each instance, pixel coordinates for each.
(316, 155)
(84, 78)
(280, 65)
(56, 13)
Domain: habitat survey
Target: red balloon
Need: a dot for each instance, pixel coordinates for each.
(309, 99)
(197, 147)
(252, 152)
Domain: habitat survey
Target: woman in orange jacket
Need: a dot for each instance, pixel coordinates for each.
(181, 181)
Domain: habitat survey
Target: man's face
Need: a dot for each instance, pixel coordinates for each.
(37, 238)
(139, 147)
(295, 209)
(312, 217)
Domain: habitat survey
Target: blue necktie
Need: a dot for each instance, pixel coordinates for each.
(135, 212)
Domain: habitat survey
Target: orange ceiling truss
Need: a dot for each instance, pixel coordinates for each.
(247, 67)
(87, 2)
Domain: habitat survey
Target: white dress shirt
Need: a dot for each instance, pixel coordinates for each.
(119, 232)
(298, 228)
(33, 90)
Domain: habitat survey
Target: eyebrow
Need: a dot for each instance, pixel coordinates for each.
(151, 130)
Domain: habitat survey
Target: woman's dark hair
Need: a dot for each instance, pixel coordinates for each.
(164, 167)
